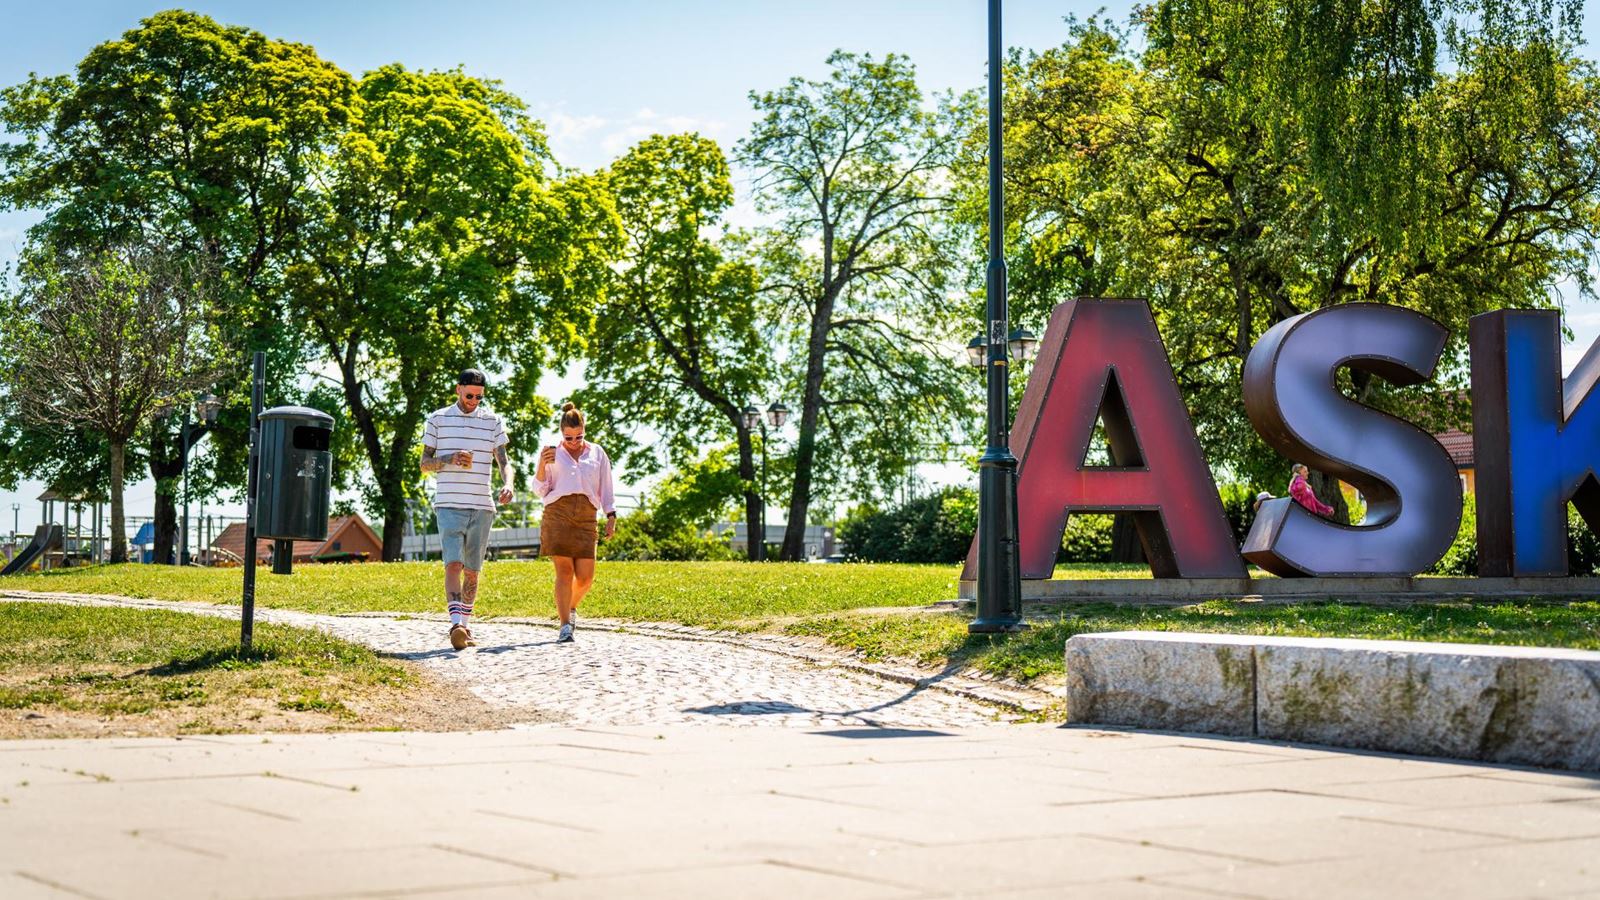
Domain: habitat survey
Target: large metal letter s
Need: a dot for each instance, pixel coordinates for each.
(1412, 491)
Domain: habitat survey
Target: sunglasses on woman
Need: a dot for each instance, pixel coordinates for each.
(572, 438)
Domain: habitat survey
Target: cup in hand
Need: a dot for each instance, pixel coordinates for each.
(464, 458)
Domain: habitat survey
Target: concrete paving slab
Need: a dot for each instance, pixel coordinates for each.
(979, 867)
(711, 812)
(24, 887)
(736, 882)
(1505, 871)
(1110, 890)
(1459, 790)
(163, 872)
(1275, 842)
(1518, 821)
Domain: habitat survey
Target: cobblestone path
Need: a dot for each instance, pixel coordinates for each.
(612, 676)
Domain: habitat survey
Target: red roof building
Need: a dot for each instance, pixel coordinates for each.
(349, 539)
(1459, 445)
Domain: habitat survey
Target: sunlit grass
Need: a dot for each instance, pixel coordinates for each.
(733, 594)
(939, 638)
(136, 664)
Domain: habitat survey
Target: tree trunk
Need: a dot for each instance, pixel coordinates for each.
(1125, 546)
(167, 463)
(1326, 487)
(393, 499)
(166, 522)
(119, 534)
(755, 499)
(163, 466)
(794, 534)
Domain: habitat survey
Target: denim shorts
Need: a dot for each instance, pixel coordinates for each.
(464, 533)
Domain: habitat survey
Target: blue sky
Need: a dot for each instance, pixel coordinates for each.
(600, 75)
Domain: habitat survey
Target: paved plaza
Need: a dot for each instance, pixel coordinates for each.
(1013, 811)
(844, 785)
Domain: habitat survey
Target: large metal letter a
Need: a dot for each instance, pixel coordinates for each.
(1536, 440)
(1105, 357)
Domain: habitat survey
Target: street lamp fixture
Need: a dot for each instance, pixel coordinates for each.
(1023, 344)
(208, 406)
(777, 414)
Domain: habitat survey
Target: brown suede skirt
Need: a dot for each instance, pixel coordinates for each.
(568, 528)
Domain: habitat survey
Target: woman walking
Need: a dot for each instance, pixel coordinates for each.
(573, 481)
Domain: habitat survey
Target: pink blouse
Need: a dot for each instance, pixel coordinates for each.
(1301, 492)
(589, 475)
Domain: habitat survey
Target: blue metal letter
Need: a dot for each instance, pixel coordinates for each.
(1535, 439)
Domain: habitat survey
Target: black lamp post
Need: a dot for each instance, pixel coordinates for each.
(777, 414)
(206, 407)
(16, 512)
(999, 564)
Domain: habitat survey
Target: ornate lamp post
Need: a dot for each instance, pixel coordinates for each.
(777, 414)
(206, 408)
(999, 565)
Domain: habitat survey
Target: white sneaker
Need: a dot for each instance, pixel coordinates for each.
(565, 637)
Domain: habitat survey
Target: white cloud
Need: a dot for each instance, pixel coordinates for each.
(591, 141)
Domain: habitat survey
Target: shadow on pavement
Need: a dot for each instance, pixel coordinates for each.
(444, 652)
(781, 707)
(855, 733)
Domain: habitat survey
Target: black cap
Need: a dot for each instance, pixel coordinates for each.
(472, 376)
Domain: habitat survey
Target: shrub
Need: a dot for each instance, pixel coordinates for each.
(1583, 546)
(642, 536)
(1238, 506)
(1462, 557)
(937, 528)
(1087, 539)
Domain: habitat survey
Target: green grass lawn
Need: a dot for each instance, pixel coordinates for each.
(67, 670)
(938, 639)
(826, 602)
(725, 594)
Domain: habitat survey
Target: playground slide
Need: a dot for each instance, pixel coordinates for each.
(45, 539)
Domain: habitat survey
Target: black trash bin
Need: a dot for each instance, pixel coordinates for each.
(296, 477)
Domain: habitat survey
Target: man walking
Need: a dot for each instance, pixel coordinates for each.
(458, 443)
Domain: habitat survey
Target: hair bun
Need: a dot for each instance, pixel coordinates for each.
(568, 407)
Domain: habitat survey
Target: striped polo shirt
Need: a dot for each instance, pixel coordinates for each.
(481, 431)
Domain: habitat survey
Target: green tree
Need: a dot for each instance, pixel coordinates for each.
(1168, 175)
(699, 494)
(98, 342)
(196, 136)
(675, 346)
(858, 267)
(438, 240)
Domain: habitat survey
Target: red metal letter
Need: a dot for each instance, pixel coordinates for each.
(1116, 368)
